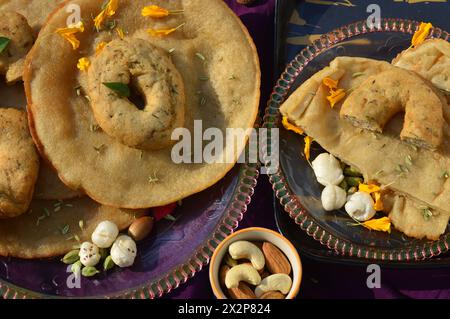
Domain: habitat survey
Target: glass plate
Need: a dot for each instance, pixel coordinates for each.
(294, 182)
(174, 253)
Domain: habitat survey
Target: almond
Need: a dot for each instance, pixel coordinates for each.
(276, 261)
(141, 228)
(222, 274)
(242, 292)
(273, 295)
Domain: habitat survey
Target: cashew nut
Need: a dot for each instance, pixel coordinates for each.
(247, 250)
(242, 272)
(277, 282)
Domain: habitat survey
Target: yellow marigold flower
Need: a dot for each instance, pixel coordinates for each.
(120, 32)
(100, 47)
(378, 206)
(69, 34)
(369, 188)
(157, 12)
(421, 34)
(330, 83)
(109, 10)
(307, 150)
(335, 97)
(382, 224)
(83, 64)
(163, 32)
(288, 126)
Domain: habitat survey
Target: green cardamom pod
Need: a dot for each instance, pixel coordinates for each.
(76, 267)
(353, 181)
(71, 257)
(104, 252)
(352, 172)
(108, 263)
(89, 271)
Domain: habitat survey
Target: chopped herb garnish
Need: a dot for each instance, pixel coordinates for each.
(40, 218)
(98, 149)
(4, 42)
(65, 229)
(203, 78)
(232, 77)
(46, 212)
(81, 224)
(357, 74)
(87, 97)
(111, 24)
(121, 89)
(95, 127)
(203, 101)
(445, 175)
(171, 50)
(77, 238)
(170, 218)
(427, 213)
(408, 160)
(200, 56)
(153, 179)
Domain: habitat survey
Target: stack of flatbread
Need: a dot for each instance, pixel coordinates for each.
(393, 125)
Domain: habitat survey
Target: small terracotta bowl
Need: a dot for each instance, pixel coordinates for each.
(256, 234)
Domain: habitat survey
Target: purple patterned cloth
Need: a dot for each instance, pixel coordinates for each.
(320, 280)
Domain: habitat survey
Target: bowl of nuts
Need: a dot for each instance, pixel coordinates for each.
(255, 263)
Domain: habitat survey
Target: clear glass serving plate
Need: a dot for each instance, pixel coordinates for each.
(294, 182)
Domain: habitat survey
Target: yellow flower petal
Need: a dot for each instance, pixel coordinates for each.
(83, 64)
(382, 224)
(163, 32)
(330, 83)
(288, 126)
(109, 10)
(69, 34)
(421, 34)
(154, 12)
(369, 188)
(100, 47)
(335, 97)
(378, 206)
(120, 32)
(307, 150)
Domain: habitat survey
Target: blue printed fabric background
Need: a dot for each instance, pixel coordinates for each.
(312, 18)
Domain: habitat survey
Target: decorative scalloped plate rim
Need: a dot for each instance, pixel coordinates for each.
(248, 175)
(280, 185)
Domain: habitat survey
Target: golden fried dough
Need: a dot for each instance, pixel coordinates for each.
(48, 231)
(431, 60)
(222, 91)
(413, 173)
(150, 71)
(19, 163)
(14, 27)
(375, 102)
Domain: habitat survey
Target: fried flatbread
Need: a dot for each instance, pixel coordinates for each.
(431, 60)
(222, 91)
(47, 231)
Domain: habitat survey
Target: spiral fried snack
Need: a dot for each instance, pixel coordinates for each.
(382, 96)
(140, 64)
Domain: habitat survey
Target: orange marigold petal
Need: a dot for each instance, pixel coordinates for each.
(154, 11)
(100, 47)
(290, 127)
(335, 97)
(307, 150)
(378, 206)
(382, 224)
(369, 188)
(83, 64)
(330, 83)
(163, 32)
